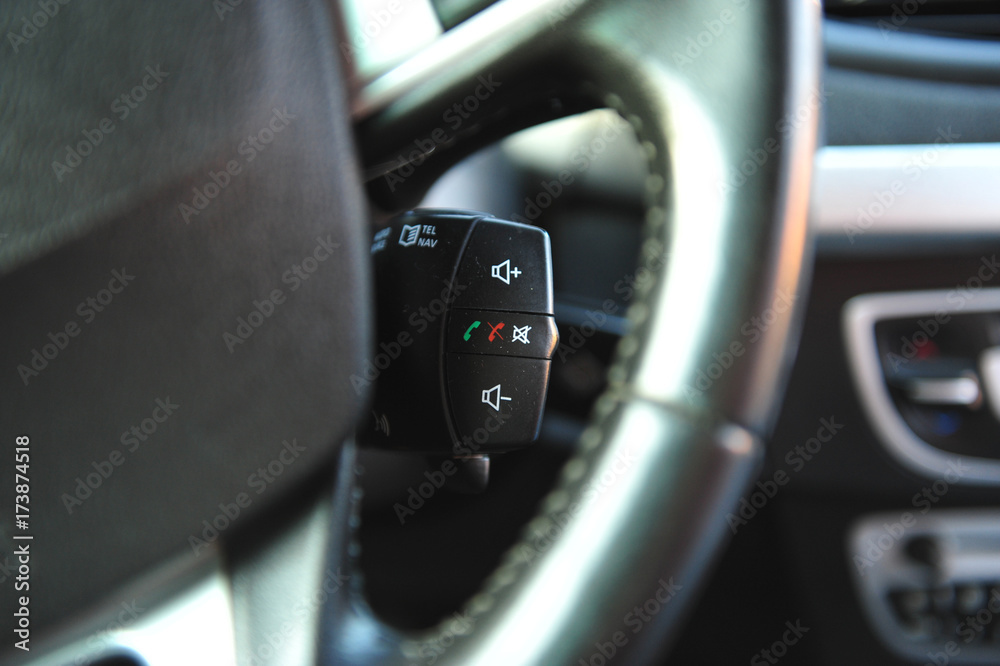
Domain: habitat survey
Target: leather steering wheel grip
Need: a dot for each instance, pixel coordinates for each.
(639, 512)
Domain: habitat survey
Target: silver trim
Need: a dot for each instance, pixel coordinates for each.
(944, 188)
(466, 46)
(989, 371)
(962, 391)
(968, 542)
(860, 315)
(181, 613)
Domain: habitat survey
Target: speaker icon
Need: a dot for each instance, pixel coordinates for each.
(492, 397)
(503, 271)
(381, 423)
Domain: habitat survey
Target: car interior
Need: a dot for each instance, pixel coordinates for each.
(500, 332)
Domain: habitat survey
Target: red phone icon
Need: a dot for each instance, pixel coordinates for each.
(495, 330)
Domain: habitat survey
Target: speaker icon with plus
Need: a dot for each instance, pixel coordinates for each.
(503, 271)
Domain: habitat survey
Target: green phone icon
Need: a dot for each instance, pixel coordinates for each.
(468, 331)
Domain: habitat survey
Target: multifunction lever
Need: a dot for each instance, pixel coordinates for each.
(466, 334)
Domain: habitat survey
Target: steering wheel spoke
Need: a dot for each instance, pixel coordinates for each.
(705, 86)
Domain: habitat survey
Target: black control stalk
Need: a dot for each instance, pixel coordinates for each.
(466, 334)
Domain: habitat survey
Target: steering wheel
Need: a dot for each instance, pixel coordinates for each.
(187, 283)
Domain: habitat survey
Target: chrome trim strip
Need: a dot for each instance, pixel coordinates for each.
(963, 391)
(943, 188)
(860, 315)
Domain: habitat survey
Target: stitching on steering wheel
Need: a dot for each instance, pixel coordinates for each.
(576, 468)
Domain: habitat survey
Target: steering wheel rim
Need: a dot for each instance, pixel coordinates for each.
(678, 433)
(677, 450)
